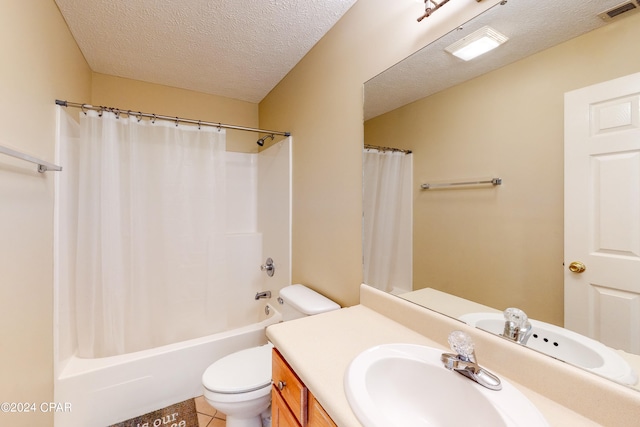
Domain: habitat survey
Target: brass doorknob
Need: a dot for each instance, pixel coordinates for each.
(577, 267)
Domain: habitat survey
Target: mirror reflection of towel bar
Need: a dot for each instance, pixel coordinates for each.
(492, 181)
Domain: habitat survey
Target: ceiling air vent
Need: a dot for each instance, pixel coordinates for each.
(627, 8)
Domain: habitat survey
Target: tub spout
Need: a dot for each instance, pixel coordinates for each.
(265, 294)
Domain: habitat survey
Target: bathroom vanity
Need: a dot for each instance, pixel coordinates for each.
(292, 404)
(316, 352)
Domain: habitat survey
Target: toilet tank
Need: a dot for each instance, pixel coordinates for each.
(300, 301)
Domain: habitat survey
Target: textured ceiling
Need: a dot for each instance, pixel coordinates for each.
(531, 26)
(234, 48)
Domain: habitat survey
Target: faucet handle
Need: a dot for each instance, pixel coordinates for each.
(462, 344)
(516, 316)
(516, 326)
(269, 267)
(464, 362)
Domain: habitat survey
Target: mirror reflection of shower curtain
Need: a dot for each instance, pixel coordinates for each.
(387, 220)
(150, 228)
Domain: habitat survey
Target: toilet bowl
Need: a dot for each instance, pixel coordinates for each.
(239, 385)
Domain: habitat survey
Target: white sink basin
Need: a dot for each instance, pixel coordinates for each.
(405, 385)
(565, 345)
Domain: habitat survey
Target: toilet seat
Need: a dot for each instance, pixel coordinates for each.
(241, 372)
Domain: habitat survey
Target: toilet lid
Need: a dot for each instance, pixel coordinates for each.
(240, 372)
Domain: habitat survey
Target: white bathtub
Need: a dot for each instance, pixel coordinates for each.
(101, 392)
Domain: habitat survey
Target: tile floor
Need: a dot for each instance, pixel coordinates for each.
(208, 416)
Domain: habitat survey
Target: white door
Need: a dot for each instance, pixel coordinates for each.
(602, 212)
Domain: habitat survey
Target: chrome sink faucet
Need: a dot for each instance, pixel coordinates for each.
(516, 325)
(464, 361)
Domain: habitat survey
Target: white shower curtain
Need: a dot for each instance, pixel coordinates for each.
(150, 260)
(384, 208)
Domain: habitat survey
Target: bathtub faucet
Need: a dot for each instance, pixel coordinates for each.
(265, 294)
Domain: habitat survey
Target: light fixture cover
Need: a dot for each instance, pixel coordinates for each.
(475, 44)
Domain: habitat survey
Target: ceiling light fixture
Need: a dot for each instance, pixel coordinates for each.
(475, 44)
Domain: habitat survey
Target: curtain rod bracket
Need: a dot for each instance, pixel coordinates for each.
(429, 10)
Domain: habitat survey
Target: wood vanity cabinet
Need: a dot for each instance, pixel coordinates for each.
(292, 404)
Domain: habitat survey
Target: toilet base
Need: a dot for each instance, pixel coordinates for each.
(262, 420)
(244, 422)
(247, 413)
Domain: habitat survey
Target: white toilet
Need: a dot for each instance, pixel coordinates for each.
(239, 385)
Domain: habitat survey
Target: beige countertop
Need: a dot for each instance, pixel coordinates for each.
(320, 348)
(445, 303)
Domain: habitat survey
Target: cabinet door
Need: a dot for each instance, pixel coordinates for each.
(317, 415)
(280, 414)
(290, 388)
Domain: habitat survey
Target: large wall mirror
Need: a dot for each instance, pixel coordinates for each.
(484, 248)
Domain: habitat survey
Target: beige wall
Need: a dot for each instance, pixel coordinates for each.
(501, 247)
(152, 98)
(320, 102)
(40, 62)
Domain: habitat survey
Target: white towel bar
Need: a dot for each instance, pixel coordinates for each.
(492, 181)
(42, 165)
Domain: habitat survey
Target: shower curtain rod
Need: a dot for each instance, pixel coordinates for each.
(176, 120)
(375, 147)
